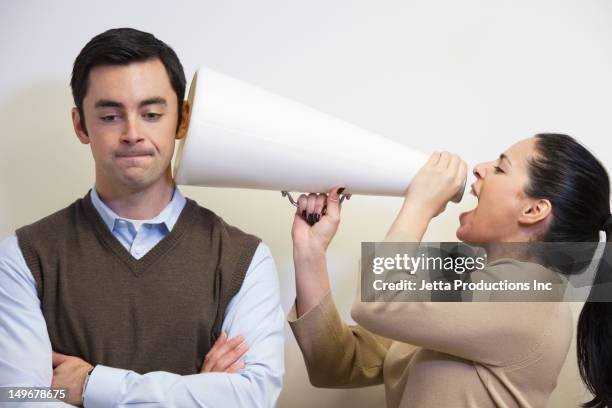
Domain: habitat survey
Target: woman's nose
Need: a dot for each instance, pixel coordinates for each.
(479, 170)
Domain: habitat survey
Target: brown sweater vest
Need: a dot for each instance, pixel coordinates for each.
(162, 312)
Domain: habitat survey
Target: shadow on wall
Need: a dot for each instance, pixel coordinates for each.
(43, 166)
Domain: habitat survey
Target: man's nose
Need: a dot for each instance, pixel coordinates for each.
(131, 132)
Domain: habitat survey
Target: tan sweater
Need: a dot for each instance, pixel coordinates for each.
(443, 354)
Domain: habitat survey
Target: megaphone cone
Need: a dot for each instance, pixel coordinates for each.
(242, 136)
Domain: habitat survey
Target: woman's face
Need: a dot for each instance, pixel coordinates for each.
(499, 187)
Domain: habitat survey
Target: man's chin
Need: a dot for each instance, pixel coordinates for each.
(136, 182)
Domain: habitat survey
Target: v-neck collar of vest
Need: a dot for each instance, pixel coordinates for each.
(138, 266)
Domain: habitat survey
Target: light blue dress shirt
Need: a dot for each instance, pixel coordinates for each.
(255, 312)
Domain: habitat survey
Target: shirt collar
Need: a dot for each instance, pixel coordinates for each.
(168, 216)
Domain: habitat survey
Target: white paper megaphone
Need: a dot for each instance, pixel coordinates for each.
(242, 136)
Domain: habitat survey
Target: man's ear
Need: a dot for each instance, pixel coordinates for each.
(182, 130)
(78, 126)
(535, 211)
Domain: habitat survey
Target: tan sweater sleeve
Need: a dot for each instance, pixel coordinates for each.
(338, 355)
(499, 334)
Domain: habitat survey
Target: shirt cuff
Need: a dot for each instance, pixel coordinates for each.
(103, 387)
(318, 320)
(325, 302)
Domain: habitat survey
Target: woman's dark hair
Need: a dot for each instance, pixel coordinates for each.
(578, 187)
(123, 46)
(575, 182)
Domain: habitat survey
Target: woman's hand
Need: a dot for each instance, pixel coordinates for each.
(223, 355)
(436, 183)
(316, 221)
(313, 230)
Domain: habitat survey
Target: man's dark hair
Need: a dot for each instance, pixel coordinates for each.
(123, 46)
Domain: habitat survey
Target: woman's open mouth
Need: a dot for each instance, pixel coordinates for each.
(466, 213)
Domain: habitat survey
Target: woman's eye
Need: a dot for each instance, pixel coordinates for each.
(498, 169)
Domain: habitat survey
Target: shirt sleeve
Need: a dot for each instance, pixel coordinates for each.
(493, 333)
(25, 349)
(255, 313)
(338, 355)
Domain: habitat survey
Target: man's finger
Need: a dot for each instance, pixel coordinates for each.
(211, 362)
(58, 358)
(232, 344)
(218, 343)
(227, 354)
(231, 357)
(237, 366)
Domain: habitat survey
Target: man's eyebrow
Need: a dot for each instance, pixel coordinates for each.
(504, 156)
(153, 101)
(108, 103)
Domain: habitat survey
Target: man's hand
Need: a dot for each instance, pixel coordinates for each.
(223, 355)
(69, 372)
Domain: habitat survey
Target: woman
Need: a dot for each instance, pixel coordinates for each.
(545, 188)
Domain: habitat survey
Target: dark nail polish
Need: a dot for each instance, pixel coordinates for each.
(304, 214)
(310, 220)
(340, 190)
(317, 217)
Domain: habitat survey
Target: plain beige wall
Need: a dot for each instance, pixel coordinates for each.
(471, 77)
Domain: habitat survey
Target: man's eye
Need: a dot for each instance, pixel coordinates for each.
(498, 169)
(110, 118)
(152, 115)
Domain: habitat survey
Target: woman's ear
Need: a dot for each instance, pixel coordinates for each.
(535, 211)
(182, 131)
(79, 127)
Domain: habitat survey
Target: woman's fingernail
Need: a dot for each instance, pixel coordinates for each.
(310, 219)
(340, 190)
(317, 217)
(303, 213)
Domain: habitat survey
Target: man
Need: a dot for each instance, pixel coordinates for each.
(130, 294)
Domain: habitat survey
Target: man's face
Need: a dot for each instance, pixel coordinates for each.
(131, 118)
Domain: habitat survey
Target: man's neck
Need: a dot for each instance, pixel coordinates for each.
(141, 204)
